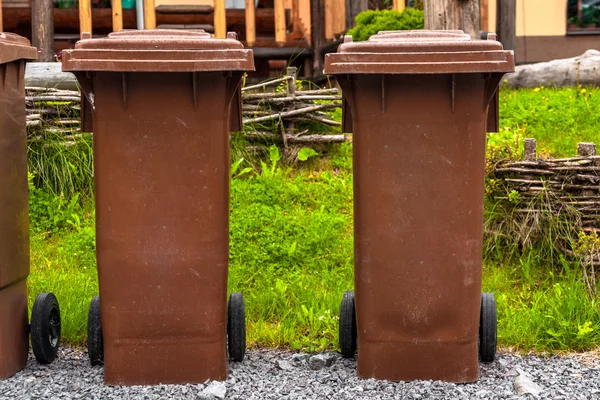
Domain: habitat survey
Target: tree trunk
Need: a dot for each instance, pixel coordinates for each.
(453, 14)
(42, 23)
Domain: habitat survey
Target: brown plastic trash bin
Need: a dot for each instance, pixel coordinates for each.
(14, 224)
(163, 104)
(418, 103)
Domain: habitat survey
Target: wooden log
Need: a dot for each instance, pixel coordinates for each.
(296, 139)
(506, 18)
(220, 19)
(525, 170)
(285, 114)
(85, 17)
(149, 14)
(279, 22)
(250, 23)
(453, 14)
(42, 21)
(117, 15)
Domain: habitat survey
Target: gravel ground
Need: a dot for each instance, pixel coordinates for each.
(272, 374)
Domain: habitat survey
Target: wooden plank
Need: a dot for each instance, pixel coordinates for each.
(453, 14)
(42, 18)
(220, 19)
(353, 8)
(339, 17)
(149, 14)
(250, 23)
(85, 17)
(399, 5)
(117, 15)
(329, 20)
(485, 16)
(506, 16)
(279, 22)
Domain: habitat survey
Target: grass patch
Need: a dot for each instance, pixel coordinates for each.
(291, 243)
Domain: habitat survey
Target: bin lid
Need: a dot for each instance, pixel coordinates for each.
(160, 50)
(420, 52)
(14, 47)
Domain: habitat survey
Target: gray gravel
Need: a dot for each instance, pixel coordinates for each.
(272, 374)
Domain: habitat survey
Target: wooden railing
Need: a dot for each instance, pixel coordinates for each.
(334, 24)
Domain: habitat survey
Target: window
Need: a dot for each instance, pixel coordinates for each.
(583, 16)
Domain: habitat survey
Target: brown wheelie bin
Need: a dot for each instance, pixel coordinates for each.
(163, 104)
(418, 102)
(14, 224)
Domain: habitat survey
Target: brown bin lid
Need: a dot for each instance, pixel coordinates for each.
(14, 47)
(161, 50)
(420, 52)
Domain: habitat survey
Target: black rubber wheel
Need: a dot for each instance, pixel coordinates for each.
(45, 328)
(95, 341)
(236, 327)
(487, 328)
(348, 332)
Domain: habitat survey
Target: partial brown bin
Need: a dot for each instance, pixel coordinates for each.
(163, 101)
(14, 224)
(419, 109)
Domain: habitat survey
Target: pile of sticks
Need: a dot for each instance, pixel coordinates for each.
(52, 111)
(288, 108)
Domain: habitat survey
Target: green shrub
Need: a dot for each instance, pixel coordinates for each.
(370, 22)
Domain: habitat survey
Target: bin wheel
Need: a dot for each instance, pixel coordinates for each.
(95, 341)
(487, 328)
(236, 327)
(45, 328)
(348, 332)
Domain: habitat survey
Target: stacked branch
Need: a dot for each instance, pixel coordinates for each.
(567, 185)
(52, 111)
(288, 109)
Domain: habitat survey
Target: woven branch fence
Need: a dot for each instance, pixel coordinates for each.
(57, 111)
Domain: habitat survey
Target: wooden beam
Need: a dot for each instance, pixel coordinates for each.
(485, 16)
(149, 14)
(353, 8)
(250, 23)
(328, 20)
(453, 14)
(85, 17)
(279, 22)
(42, 23)
(506, 16)
(220, 19)
(317, 35)
(339, 17)
(117, 15)
(399, 5)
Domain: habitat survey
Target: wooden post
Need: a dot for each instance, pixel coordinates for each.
(220, 19)
(250, 23)
(280, 22)
(339, 17)
(506, 16)
(399, 5)
(149, 14)
(117, 15)
(42, 23)
(317, 35)
(353, 8)
(85, 17)
(1, 24)
(328, 20)
(485, 16)
(453, 14)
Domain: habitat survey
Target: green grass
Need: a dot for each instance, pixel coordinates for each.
(557, 118)
(291, 249)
